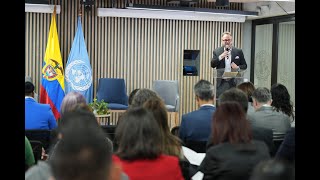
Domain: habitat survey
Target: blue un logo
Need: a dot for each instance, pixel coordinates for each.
(79, 75)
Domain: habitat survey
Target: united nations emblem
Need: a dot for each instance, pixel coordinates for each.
(79, 75)
(52, 70)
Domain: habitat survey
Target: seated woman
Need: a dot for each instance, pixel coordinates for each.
(281, 101)
(139, 148)
(234, 153)
(171, 145)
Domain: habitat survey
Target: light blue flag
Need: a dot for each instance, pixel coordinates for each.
(78, 72)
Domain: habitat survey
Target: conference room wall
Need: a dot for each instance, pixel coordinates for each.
(136, 49)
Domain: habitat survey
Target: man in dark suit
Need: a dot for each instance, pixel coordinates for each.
(195, 126)
(258, 133)
(230, 59)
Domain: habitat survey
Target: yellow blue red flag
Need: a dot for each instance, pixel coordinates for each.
(52, 84)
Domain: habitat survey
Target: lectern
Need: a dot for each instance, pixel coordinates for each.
(223, 81)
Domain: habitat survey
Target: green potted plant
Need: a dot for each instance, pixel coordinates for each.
(99, 107)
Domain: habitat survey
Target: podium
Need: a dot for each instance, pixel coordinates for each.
(223, 81)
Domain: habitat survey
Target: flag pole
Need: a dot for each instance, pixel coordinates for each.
(80, 9)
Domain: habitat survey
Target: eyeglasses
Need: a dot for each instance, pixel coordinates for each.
(226, 39)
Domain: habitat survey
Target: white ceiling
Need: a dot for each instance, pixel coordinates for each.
(249, 1)
(267, 8)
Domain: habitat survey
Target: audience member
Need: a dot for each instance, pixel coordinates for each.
(37, 116)
(28, 154)
(248, 88)
(139, 152)
(83, 153)
(35, 95)
(40, 171)
(281, 100)
(170, 144)
(273, 170)
(234, 153)
(132, 94)
(71, 100)
(287, 149)
(265, 115)
(258, 133)
(142, 96)
(79, 113)
(195, 126)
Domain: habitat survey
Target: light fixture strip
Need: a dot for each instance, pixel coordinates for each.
(170, 14)
(41, 8)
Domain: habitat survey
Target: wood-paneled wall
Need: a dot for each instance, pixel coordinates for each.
(138, 50)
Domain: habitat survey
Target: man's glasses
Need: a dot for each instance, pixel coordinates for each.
(226, 39)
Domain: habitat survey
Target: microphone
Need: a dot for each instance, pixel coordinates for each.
(227, 49)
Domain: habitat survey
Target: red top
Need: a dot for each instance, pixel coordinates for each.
(164, 167)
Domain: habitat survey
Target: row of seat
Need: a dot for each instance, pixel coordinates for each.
(113, 91)
(40, 138)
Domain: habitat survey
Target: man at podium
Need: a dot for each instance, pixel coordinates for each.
(227, 59)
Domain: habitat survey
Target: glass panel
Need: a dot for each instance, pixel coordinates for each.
(263, 56)
(286, 57)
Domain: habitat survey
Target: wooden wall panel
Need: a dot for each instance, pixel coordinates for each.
(138, 50)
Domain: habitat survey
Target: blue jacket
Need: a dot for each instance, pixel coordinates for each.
(38, 116)
(196, 125)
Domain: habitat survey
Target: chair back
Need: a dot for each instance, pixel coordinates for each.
(113, 91)
(197, 146)
(168, 90)
(110, 131)
(277, 140)
(42, 135)
(36, 149)
(175, 131)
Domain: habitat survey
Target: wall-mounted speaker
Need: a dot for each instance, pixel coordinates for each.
(222, 3)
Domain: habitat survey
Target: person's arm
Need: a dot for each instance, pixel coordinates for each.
(182, 130)
(215, 61)
(243, 63)
(208, 166)
(29, 157)
(210, 141)
(287, 147)
(52, 120)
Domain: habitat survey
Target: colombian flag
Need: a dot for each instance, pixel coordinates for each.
(52, 84)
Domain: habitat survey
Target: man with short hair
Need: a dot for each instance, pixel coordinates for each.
(35, 95)
(37, 116)
(228, 58)
(265, 115)
(195, 125)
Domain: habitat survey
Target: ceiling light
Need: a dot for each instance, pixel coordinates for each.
(41, 8)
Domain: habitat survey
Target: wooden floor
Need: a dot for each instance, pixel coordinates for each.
(173, 118)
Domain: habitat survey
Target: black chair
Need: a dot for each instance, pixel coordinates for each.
(36, 149)
(175, 131)
(44, 136)
(110, 131)
(277, 140)
(197, 146)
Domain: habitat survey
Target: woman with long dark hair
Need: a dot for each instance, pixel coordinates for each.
(233, 154)
(281, 100)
